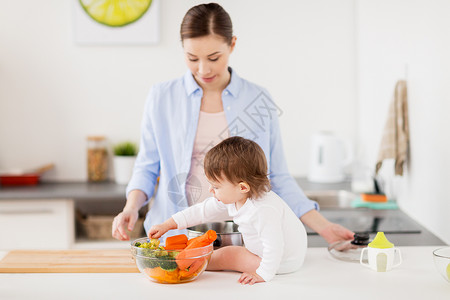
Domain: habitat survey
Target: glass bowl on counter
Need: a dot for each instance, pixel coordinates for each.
(170, 266)
(441, 259)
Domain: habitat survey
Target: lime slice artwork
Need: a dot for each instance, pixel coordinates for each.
(115, 13)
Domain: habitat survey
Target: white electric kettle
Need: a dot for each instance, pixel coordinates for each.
(329, 156)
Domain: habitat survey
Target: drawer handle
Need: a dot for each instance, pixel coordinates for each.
(26, 212)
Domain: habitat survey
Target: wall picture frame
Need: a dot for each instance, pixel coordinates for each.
(89, 31)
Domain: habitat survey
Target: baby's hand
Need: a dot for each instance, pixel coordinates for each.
(156, 231)
(250, 278)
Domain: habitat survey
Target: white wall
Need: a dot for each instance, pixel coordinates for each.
(392, 34)
(53, 92)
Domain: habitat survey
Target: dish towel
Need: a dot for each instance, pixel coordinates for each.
(395, 139)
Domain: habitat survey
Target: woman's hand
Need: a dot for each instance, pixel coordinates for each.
(331, 232)
(335, 232)
(250, 278)
(126, 219)
(156, 231)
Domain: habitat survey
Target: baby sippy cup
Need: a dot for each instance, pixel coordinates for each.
(381, 254)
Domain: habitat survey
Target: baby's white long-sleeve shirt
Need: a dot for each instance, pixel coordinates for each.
(269, 228)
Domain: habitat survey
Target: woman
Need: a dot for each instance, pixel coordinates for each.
(185, 117)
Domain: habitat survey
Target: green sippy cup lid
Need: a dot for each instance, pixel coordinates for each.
(381, 242)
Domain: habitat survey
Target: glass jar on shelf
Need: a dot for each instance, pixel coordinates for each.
(97, 158)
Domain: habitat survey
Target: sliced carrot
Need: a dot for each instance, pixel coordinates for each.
(175, 247)
(190, 241)
(195, 249)
(203, 240)
(163, 276)
(193, 268)
(176, 239)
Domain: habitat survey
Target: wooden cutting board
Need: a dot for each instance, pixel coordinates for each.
(68, 261)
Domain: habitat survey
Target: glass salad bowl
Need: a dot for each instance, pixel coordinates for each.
(441, 258)
(170, 266)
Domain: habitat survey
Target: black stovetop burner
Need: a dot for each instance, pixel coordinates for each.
(370, 221)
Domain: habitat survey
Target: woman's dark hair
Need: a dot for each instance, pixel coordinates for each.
(237, 159)
(206, 19)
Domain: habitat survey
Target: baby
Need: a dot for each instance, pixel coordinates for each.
(275, 239)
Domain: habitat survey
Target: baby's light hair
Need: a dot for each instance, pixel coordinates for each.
(237, 159)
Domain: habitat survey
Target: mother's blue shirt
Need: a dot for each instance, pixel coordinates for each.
(168, 130)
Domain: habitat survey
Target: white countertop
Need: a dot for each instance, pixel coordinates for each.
(321, 277)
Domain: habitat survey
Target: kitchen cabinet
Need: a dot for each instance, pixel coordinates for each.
(44, 215)
(40, 224)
